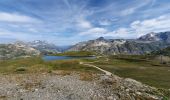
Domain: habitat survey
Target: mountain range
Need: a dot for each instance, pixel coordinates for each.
(142, 45)
(26, 49)
(44, 47)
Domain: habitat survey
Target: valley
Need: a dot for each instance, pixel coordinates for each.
(138, 68)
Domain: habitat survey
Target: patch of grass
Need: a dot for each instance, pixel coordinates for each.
(11, 66)
(3, 97)
(86, 76)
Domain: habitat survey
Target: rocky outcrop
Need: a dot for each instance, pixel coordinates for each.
(162, 36)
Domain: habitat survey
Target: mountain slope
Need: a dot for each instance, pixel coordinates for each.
(162, 36)
(165, 52)
(18, 49)
(142, 45)
(44, 47)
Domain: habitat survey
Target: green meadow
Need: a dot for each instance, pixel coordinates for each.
(141, 68)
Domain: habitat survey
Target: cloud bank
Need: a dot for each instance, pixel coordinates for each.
(66, 22)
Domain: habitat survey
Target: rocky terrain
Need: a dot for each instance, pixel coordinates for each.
(144, 44)
(71, 87)
(17, 49)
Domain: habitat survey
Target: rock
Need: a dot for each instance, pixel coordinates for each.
(36, 89)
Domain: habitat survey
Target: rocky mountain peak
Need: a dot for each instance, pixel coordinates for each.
(161, 36)
(100, 38)
(44, 46)
(149, 37)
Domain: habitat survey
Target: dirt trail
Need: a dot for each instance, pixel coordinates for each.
(106, 72)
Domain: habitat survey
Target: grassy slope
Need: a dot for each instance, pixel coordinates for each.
(36, 64)
(76, 53)
(138, 67)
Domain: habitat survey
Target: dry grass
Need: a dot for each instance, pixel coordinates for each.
(31, 85)
(86, 76)
(62, 72)
(3, 98)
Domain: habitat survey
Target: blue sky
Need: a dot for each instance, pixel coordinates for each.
(66, 22)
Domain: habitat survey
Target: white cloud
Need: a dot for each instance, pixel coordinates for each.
(82, 23)
(137, 5)
(128, 11)
(18, 35)
(4, 32)
(15, 17)
(138, 28)
(33, 30)
(94, 31)
(120, 33)
(156, 24)
(105, 22)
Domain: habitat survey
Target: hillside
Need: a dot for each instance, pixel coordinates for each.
(165, 52)
(18, 49)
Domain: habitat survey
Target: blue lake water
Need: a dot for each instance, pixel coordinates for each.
(51, 58)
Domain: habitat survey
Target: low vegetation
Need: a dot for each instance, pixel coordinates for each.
(36, 64)
(142, 68)
(76, 53)
(165, 52)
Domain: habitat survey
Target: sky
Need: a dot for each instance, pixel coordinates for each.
(66, 22)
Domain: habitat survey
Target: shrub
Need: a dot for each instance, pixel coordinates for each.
(20, 69)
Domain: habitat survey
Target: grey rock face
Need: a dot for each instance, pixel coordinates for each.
(162, 36)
